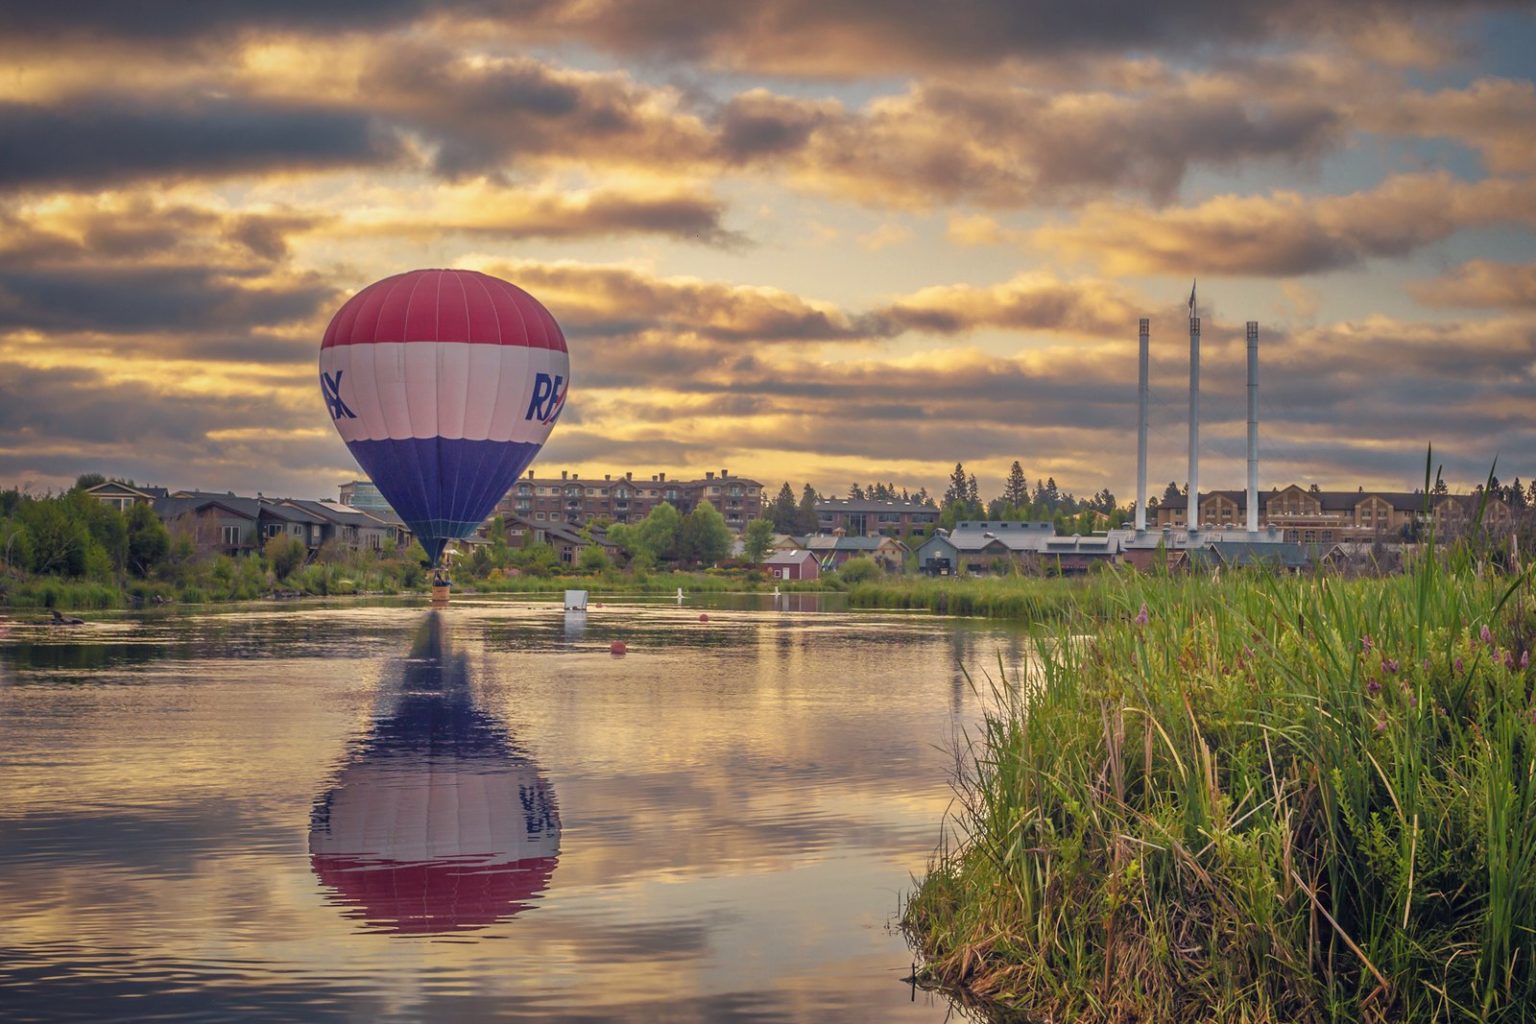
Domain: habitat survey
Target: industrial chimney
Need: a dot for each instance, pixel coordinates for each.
(1253, 426)
(1141, 438)
(1192, 514)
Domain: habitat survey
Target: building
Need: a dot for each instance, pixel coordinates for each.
(365, 495)
(887, 552)
(796, 564)
(574, 501)
(123, 496)
(568, 543)
(347, 526)
(979, 547)
(861, 517)
(1328, 517)
(225, 523)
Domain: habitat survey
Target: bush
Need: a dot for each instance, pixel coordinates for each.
(860, 569)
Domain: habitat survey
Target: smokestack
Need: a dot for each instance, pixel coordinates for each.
(1253, 426)
(1141, 437)
(1192, 513)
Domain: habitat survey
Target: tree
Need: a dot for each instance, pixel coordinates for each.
(88, 480)
(857, 570)
(1517, 494)
(283, 554)
(148, 540)
(593, 558)
(806, 518)
(959, 487)
(973, 494)
(1171, 492)
(855, 493)
(755, 540)
(704, 538)
(1016, 490)
(783, 510)
(657, 534)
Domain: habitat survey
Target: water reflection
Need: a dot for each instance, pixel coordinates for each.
(436, 821)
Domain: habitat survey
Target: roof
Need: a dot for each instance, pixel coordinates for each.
(183, 502)
(828, 542)
(1015, 536)
(117, 486)
(335, 512)
(1277, 553)
(794, 557)
(561, 531)
(1330, 501)
(870, 505)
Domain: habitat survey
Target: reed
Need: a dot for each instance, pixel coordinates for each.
(1252, 799)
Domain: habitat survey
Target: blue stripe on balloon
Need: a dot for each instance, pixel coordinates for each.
(443, 488)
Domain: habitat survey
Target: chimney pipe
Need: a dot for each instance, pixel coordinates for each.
(1253, 426)
(1192, 508)
(1141, 437)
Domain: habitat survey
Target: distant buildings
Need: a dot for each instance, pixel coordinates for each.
(364, 495)
(862, 517)
(1306, 516)
(574, 501)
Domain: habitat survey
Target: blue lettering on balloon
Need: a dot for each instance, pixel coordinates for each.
(331, 389)
(548, 398)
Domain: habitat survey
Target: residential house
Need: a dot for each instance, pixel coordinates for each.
(225, 523)
(347, 526)
(1306, 516)
(834, 550)
(567, 541)
(978, 547)
(795, 564)
(123, 496)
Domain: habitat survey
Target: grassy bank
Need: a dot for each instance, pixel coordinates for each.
(1027, 598)
(1259, 800)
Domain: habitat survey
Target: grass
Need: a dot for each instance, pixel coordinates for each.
(1263, 799)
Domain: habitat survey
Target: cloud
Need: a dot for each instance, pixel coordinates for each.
(1507, 286)
(1286, 233)
(1028, 302)
(481, 208)
(1492, 115)
(101, 140)
(598, 300)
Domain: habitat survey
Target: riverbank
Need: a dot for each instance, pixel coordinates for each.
(364, 580)
(1254, 799)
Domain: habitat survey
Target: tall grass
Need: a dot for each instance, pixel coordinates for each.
(1260, 799)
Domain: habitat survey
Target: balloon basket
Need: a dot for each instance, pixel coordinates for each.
(441, 587)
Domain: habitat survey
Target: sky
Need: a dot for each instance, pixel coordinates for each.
(819, 242)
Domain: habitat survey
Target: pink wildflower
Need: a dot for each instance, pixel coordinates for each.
(1372, 687)
(1485, 634)
(1390, 664)
(1142, 617)
(1365, 643)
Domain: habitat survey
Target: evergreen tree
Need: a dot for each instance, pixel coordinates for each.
(806, 519)
(1517, 494)
(856, 493)
(1171, 492)
(959, 487)
(783, 510)
(973, 494)
(1016, 490)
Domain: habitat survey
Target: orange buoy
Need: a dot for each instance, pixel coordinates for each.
(617, 648)
(703, 618)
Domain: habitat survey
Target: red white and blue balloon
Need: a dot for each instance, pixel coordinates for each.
(444, 384)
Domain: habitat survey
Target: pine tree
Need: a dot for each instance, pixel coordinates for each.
(1016, 490)
(855, 493)
(1517, 494)
(784, 510)
(973, 494)
(806, 519)
(958, 489)
(1171, 492)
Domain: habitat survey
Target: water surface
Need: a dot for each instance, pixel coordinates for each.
(378, 813)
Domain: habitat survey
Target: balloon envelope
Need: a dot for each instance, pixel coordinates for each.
(444, 384)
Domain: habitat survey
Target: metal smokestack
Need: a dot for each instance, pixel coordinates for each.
(1253, 426)
(1192, 515)
(1141, 438)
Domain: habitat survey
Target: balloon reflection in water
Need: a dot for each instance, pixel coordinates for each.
(436, 821)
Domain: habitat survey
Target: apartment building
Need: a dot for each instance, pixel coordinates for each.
(623, 499)
(1328, 517)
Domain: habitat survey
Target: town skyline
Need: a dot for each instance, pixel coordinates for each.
(848, 244)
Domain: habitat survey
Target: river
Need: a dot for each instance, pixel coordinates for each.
(377, 812)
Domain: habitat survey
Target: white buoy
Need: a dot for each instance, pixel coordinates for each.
(775, 591)
(679, 595)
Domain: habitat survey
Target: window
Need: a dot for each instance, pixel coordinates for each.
(231, 536)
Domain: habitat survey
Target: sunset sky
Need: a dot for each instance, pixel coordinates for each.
(813, 241)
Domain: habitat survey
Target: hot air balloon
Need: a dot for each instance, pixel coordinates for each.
(444, 384)
(436, 822)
